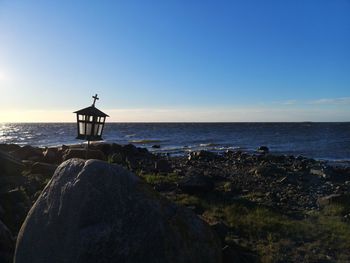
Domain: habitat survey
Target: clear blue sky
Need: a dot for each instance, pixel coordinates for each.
(176, 60)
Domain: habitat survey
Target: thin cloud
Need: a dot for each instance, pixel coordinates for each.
(289, 102)
(283, 102)
(332, 101)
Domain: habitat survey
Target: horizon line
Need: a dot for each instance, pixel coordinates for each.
(165, 122)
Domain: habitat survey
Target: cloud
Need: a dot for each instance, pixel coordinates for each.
(289, 102)
(332, 101)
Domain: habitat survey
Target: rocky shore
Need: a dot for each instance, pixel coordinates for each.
(263, 207)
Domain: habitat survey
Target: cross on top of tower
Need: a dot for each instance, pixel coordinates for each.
(95, 98)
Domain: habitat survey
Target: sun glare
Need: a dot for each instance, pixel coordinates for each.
(2, 75)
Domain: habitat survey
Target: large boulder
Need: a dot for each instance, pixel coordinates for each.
(92, 211)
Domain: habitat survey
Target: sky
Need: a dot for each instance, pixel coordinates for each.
(184, 60)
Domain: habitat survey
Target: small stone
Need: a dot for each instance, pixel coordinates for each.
(263, 149)
(156, 146)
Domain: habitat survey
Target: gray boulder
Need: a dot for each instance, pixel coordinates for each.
(92, 211)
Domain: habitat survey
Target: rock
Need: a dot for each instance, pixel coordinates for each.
(334, 198)
(13, 196)
(144, 152)
(28, 152)
(106, 148)
(81, 153)
(8, 183)
(2, 212)
(9, 165)
(162, 166)
(130, 149)
(221, 229)
(339, 174)
(289, 179)
(52, 155)
(9, 147)
(92, 211)
(43, 168)
(236, 253)
(156, 146)
(116, 147)
(7, 244)
(319, 172)
(119, 158)
(16, 205)
(133, 158)
(132, 163)
(268, 170)
(263, 149)
(194, 171)
(196, 184)
(164, 186)
(282, 159)
(202, 155)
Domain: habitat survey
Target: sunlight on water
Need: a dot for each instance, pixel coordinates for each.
(317, 140)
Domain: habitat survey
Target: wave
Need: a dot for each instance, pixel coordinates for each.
(209, 144)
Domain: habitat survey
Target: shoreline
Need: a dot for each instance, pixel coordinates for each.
(316, 140)
(185, 151)
(239, 194)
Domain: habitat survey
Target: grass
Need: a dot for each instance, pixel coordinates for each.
(318, 236)
(158, 178)
(276, 237)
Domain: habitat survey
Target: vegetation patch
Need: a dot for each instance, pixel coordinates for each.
(274, 236)
(158, 178)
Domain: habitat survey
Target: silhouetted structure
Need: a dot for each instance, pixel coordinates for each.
(90, 122)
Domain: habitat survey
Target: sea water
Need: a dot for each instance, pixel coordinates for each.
(329, 141)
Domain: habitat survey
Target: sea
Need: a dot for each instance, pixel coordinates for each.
(322, 141)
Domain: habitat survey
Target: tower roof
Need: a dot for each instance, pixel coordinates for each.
(92, 110)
